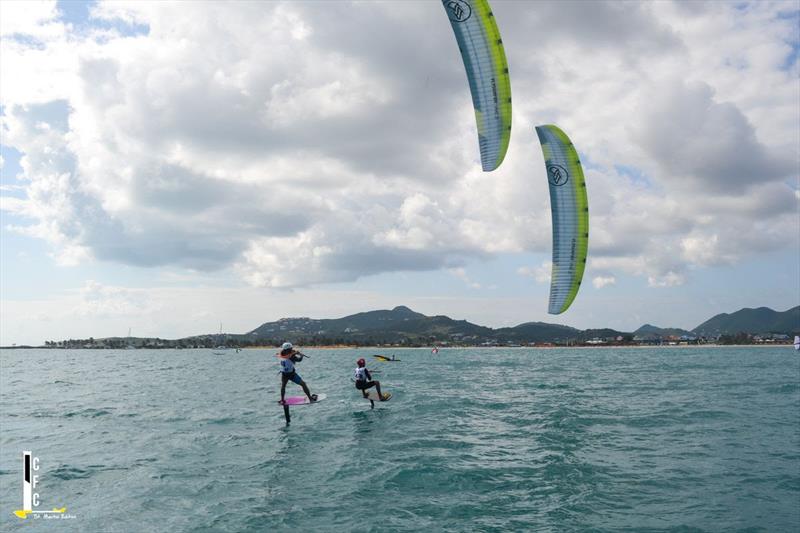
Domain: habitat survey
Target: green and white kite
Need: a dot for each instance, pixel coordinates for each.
(570, 209)
(487, 72)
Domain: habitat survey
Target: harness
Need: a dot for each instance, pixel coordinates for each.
(360, 374)
(287, 366)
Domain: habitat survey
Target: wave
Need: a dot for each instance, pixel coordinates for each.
(89, 413)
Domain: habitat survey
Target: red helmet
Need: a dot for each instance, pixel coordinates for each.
(361, 362)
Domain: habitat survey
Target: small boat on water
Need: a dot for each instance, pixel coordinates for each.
(222, 348)
(797, 342)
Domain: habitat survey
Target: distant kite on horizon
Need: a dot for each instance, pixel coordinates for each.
(569, 206)
(487, 73)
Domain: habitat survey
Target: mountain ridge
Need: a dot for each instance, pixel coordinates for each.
(401, 324)
(752, 321)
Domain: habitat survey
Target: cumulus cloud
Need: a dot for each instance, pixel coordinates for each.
(306, 143)
(669, 279)
(707, 145)
(461, 274)
(542, 273)
(603, 281)
(103, 301)
(30, 19)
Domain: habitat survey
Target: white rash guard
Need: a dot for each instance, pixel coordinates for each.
(361, 374)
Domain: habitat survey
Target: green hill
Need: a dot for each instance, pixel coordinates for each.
(384, 326)
(401, 324)
(760, 320)
(537, 332)
(404, 326)
(649, 331)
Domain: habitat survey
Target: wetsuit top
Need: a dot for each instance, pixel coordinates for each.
(361, 374)
(287, 365)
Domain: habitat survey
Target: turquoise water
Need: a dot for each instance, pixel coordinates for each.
(674, 439)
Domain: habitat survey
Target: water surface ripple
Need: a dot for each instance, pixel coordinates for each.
(673, 439)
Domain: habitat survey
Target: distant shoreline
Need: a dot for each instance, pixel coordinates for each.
(379, 349)
(401, 327)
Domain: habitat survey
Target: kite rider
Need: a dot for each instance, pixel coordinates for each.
(363, 380)
(289, 356)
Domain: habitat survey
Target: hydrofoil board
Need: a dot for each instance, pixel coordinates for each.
(373, 395)
(295, 401)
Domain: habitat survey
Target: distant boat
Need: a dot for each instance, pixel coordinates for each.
(129, 345)
(797, 342)
(221, 349)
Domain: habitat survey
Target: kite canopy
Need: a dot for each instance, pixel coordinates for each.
(570, 210)
(487, 72)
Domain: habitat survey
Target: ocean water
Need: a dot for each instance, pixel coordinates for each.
(673, 439)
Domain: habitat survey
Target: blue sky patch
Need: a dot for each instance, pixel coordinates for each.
(78, 13)
(636, 176)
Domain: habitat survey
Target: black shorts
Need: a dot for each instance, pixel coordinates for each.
(361, 385)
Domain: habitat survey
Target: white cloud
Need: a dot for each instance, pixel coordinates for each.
(287, 141)
(542, 273)
(29, 18)
(38, 57)
(603, 281)
(669, 279)
(11, 204)
(461, 274)
(707, 146)
(98, 300)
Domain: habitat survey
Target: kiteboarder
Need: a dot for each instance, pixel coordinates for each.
(289, 356)
(364, 381)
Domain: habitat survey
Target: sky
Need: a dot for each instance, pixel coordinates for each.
(176, 167)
